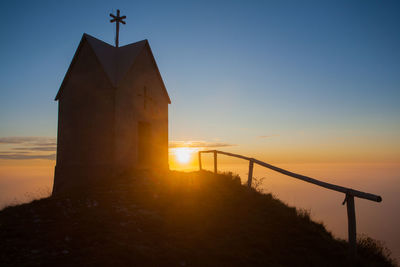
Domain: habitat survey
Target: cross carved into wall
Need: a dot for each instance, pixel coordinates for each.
(145, 97)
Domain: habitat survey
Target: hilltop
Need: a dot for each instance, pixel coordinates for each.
(171, 219)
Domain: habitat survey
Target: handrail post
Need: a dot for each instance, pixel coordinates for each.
(351, 217)
(349, 200)
(215, 162)
(250, 177)
(200, 160)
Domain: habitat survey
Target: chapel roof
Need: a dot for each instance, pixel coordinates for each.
(115, 61)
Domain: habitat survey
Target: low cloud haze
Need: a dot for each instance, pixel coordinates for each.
(37, 140)
(174, 144)
(268, 136)
(33, 147)
(18, 156)
(36, 148)
(28, 147)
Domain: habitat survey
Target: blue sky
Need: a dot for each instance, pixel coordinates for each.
(305, 73)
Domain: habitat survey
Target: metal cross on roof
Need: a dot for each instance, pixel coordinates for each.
(117, 19)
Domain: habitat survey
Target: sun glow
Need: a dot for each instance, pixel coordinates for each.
(183, 154)
(183, 158)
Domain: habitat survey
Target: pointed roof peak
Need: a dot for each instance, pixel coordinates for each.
(115, 61)
(93, 40)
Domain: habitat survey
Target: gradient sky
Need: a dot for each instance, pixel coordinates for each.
(283, 80)
(286, 82)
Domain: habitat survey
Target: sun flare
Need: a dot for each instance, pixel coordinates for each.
(183, 154)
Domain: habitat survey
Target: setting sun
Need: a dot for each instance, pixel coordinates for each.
(183, 154)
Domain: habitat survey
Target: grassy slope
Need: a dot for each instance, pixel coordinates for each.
(178, 219)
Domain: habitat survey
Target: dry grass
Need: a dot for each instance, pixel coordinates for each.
(170, 219)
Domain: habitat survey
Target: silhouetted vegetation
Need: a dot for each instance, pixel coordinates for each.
(172, 219)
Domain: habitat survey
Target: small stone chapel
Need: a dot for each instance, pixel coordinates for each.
(112, 114)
